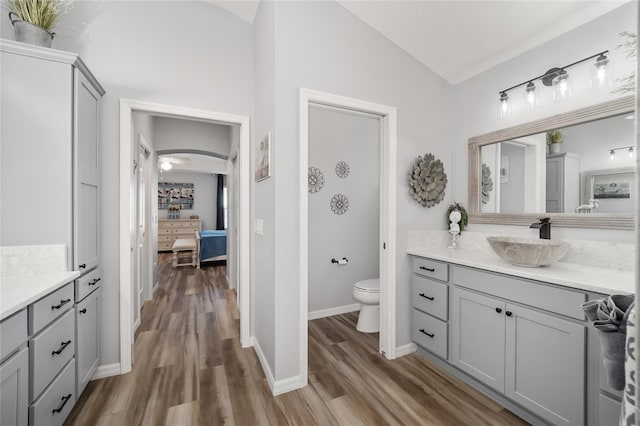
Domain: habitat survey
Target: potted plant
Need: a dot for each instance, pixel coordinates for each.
(464, 220)
(33, 19)
(554, 139)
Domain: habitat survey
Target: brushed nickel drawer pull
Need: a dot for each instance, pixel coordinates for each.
(428, 334)
(62, 348)
(62, 303)
(65, 399)
(424, 268)
(426, 297)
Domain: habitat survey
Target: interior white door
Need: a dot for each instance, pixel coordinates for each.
(141, 255)
(236, 216)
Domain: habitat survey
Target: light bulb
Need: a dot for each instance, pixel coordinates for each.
(630, 152)
(166, 165)
(599, 74)
(561, 87)
(530, 95)
(612, 154)
(504, 104)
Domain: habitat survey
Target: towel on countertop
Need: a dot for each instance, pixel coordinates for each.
(609, 317)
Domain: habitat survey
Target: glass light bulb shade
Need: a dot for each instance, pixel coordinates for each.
(530, 96)
(600, 73)
(562, 87)
(504, 106)
(612, 155)
(630, 152)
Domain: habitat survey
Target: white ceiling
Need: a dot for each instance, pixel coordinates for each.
(193, 163)
(460, 39)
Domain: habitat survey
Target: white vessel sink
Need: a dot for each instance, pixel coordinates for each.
(528, 252)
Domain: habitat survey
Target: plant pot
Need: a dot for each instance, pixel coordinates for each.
(26, 32)
(554, 148)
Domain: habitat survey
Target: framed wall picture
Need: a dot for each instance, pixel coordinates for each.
(175, 195)
(263, 158)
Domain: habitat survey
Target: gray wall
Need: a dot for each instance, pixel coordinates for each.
(512, 192)
(476, 99)
(336, 136)
(172, 133)
(322, 46)
(263, 325)
(204, 196)
(190, 54)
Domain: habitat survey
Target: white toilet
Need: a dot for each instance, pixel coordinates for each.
(367, 292)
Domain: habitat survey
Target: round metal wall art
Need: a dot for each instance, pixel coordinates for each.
(342, 169)
(339, 204)
(427, 180)
(487, 184)
(315, 179)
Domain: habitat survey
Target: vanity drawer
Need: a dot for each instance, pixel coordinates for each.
(13, 333)
(430, 333)
(541, 295)
(50, 351)
(431, 268)
(87, 283)
(430, 296)
(55, 404)
(49, 308)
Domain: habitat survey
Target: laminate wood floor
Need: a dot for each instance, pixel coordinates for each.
(189, 369)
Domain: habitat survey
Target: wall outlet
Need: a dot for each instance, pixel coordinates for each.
(258, 226)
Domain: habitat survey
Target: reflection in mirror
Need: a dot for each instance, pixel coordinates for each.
(579, 175)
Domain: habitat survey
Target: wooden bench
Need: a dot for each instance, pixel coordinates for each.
(182, 248)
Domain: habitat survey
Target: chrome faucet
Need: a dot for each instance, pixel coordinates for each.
(545, 228)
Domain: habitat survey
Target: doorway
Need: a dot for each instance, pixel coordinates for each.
(387, 117)
(128, 202)
(142, 260)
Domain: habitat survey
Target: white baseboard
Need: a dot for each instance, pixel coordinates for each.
(407, 349)
(323, 313)
(280, 386)
(106, 370)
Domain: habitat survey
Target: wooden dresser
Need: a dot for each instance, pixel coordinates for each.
(170, 230)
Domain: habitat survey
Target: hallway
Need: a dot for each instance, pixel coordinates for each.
(189, 369)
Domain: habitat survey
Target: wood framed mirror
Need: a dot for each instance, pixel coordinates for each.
(513, 180)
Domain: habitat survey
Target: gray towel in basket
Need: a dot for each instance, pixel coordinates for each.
(609, 317)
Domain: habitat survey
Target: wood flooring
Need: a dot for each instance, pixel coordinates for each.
(189, 369)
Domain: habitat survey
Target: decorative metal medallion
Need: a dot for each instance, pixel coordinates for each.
(342, 169)
(427, 180)
(316, 179)
(487, 184)
(339, 204)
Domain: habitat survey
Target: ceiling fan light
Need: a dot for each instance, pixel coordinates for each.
(166, 165)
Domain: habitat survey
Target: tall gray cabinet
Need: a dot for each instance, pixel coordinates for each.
(563, 182)
(50, 174)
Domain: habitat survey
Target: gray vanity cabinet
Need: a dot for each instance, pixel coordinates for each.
(87, 339)
(14, 389)
(478, 332)
(563, 183)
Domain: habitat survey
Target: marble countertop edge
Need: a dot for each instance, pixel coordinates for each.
(586, 278)
(18, 292)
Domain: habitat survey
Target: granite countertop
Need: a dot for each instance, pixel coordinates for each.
(17, 292)
(595, 279)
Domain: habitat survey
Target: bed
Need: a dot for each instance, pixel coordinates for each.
(212, 245)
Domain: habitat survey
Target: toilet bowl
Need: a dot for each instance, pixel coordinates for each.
(367, 292)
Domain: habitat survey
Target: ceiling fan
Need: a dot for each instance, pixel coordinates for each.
(166, 162)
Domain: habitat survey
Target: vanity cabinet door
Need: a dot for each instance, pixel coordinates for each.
(14, 390)
(545, 365)
(87, 339)
(479, 337)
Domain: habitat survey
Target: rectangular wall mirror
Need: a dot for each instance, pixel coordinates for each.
(587, 181)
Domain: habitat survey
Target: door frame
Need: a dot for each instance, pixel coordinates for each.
(127, 142)
(388, 144)
(141, 277)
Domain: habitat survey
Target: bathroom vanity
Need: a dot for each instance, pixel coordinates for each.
(517, 334)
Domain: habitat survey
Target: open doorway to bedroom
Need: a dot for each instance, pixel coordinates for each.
(187, 217)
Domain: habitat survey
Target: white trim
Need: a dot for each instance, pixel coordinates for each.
(407, 349)
(106, 370)
(127, 107)
(388, 179)
(286, 385)
(339, 310)
(263, 362)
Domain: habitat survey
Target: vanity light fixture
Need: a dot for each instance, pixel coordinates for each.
(558, 78)
(629, 149)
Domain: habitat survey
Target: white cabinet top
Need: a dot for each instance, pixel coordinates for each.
(582, 277)
(17, 292)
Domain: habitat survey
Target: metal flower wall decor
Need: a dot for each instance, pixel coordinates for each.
(342, 169)
(315, 179)
(427, 180)
(339, 204)
(487, 184)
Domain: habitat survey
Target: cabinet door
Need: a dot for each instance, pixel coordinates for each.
(555, 185)
(87, 175)
(87, 339)
(478, 337)
(545, 365)
(14, 391)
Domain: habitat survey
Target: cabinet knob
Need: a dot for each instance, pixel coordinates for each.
(82, 266)
(83, 311)
(509, 313)
(498, 310)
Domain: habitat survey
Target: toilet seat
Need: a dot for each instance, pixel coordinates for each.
(368, 286)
